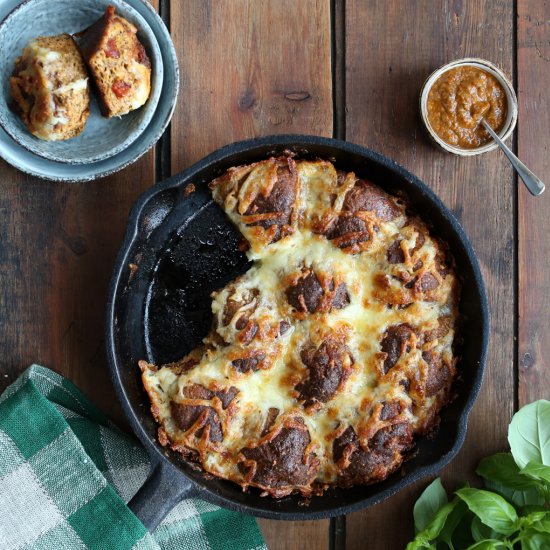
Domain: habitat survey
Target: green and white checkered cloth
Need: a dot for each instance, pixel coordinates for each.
(66, 473)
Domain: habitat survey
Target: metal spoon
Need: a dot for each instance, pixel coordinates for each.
(535, 186)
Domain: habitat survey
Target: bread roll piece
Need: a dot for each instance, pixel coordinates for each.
(118, 64)
(50, 88)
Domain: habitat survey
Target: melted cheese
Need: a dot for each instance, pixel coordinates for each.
(141, 86)
(43, 55)
(76, 86)
(42, 65)
(362, 323)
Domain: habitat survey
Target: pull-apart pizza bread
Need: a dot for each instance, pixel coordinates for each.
(332, 353)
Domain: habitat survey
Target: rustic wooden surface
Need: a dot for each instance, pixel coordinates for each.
(348, 68)
(58, 246)
(533, 41)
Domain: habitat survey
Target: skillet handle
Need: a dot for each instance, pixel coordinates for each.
(163, 489)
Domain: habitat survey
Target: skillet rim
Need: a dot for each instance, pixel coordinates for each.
(118, 283)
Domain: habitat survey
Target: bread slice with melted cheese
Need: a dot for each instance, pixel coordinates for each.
(50, 88)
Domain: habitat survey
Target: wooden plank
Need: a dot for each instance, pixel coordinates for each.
(391, 47)
(56, 256)
(249, 68)
(533, 37)
(58, 248)
(253, 68)
(295, 535)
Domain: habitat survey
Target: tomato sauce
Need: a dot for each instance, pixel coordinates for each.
(457, 102)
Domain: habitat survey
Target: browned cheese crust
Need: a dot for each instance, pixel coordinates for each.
(332, 353)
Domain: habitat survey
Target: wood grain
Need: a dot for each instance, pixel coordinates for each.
(533, 56)
(249, 68)
(253, 68)
(391, 47)
(58, 248)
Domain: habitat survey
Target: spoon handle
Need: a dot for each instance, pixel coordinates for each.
(534, 184)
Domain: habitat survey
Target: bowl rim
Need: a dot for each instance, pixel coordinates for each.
(511, 99)
(157, 75)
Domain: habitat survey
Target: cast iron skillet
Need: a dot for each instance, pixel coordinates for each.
(179, 248)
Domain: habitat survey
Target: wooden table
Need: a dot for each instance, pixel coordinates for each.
(345, 68)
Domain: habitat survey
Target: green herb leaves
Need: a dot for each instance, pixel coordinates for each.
(513, 513)
(431, 501)
(491, 509)
(502, 475)
(503, 469)
(529, 434)
(537, 471)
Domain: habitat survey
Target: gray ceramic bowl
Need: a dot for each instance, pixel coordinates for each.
(44, 168)
(102, 138)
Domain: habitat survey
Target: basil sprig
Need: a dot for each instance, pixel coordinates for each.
(512, 512)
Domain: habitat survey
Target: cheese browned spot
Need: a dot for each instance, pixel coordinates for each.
(331, 353)
(307, 294)
(395, 344)
(365, 196)
(251, 363)
(382, 454)
(327, 367)
(281, 463)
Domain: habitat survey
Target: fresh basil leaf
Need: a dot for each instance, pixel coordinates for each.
(502, 468)
(517, 498)
(541, 524)
(491, 509)
(487, 545)
(430, 501)
(534, 516)
(531, 508)
(418, 545)
(453, 520)
(435, 526)
(481, 532)
(529, 434)
(531, 540)
(537, 471)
